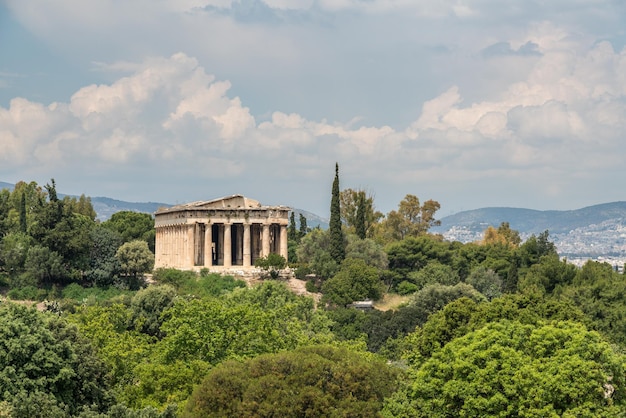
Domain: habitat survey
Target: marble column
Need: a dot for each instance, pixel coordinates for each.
(265, 241)
(208, 244)
(247, 256)
(190, 245)
(284, 251)
(228, 251)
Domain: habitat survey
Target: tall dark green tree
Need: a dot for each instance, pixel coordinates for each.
(292, 232)
(360, 226)
(303, 227)
(23, 213)
(337, 249)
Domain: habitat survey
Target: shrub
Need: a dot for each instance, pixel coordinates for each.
(406, 288)
(310, 286)
(28, 293)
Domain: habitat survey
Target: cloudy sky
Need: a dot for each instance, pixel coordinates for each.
(472, 103)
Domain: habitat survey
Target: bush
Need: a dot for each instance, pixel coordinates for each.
(174, 277)
(272, 264)
(302, 270)
(76, 292)
(406, 288)
(28, 293)
(4, 280)
(310, 286)
(188, 282)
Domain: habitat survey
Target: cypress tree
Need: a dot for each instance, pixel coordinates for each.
(23, 213)
(360, 216)
(337, 250)
(292, 234)
(303, 227)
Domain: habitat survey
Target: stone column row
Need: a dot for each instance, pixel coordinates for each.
(186, 256)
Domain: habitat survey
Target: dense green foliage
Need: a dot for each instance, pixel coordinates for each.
(354, 281)
(45, 365)
(132, 226)
(47, 241)
(271, 264)
(199, 285)
(511, 369)
(317, 381)
(498, 327)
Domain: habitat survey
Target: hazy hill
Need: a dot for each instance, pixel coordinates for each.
(105, 207)
(534, 221)
(598, 230)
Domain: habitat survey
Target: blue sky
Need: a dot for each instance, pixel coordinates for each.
(472, 103)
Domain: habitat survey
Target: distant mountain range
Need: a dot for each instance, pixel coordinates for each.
(593, 231)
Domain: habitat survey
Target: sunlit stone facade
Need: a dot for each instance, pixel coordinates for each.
(221, 234)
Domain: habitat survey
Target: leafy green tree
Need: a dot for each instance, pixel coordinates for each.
(109, 330)
(413, 254)
(316, 381)
(292, 232)
(536, 247)
(23, 224)
(547, 274)
(5, 208)
(55, 226)
(272, 264)
(43, 264)
(13, 251)
(435, 297)
(358, 211)
(511, 369)
(599, 292)
(103, 265)
(135, 258)
(303, 230)
(464, 315)
(354, 281)
(504, 235)
(81, 206)
(242, 324)
(337, 247)
(133, 226)
(367, 250)
(410, 220)
(314, 251)
(486, 281)
(434, 273)
(147, 307)
(361, 227)
(46, 363)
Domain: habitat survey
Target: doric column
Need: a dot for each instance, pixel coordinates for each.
(228, 251)
(283, 242)
(265, 249)
(208, 244)
(247, 256)
(191, 242)
(175, 249)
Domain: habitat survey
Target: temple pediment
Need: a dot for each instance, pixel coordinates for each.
(236, 201)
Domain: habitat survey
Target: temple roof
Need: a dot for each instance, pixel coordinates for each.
(235, 201)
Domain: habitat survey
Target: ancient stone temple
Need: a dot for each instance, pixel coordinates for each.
(221, 234)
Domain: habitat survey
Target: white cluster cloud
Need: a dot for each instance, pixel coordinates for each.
(536, 107)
